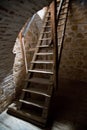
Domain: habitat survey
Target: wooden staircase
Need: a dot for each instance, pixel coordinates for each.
(35, 99)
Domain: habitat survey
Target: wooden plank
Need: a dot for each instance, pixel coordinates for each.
(47, 27)
(34, 103)
(43, 46)
(62, 18)
(23, 114)
(40, 81)
(23, 49)
(42, 62)
(45, 39)
(37, 91)
(47, 32)
(40, 71)
(63, 14)
(32, 49)
(50, 53)
(55, 42)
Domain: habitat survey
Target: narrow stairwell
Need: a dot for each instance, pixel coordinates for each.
(34, 103)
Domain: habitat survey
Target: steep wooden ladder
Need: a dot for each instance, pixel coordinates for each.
(61, 25)
(35, 100)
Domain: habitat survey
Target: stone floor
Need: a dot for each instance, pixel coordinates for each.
(8, 122)
(69, 110)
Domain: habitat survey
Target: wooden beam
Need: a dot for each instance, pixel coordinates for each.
(55, 43)
(23, 50)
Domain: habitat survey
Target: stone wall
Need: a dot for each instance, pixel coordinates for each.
(74, 56)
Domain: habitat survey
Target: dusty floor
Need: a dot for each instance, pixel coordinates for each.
(69, 110)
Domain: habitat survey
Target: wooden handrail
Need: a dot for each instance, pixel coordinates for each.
(21, 39)
(22, 35)
(27, 26)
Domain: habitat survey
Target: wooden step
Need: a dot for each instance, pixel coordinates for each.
(43, 46)
(48, 21)
(46, 32)
(59, 37)
(58, 2)
(33, 103)
(42, 62)
(47, 27)
(65, 3)
(62, 18)
(60, 24)
(31, 49)
(63, 13)
(40, 81)
(40, 71)
(50, 53)
(37, 91)
(48, 16)
(27, 116)
(45, 39)
(59, 30)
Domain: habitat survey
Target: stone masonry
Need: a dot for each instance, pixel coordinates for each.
(73, 64)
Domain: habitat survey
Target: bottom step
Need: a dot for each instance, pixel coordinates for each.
(21, 114)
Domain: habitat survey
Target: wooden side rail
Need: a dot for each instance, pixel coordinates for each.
(23, 49)
(22, 35)
(54, 40)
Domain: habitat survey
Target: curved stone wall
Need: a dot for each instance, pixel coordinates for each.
(74, 57)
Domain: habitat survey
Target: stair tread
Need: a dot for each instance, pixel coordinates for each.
(40, 80)
(45, 39)
(42, 62)
(37, 91)
(47, 26)
(41, 71)
(63, 13)
(26, 115)
(62, 18)
(43, 46)
(65, 3)
(59, 24)
(33, 102)
(48, 16)
(45, 53)
(64, 7)
(46, 32)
